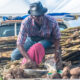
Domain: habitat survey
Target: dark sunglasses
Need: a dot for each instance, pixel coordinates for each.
(37, 17)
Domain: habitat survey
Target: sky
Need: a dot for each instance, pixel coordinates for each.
(22, 6)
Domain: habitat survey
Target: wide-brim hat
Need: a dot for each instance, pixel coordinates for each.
(36, 9)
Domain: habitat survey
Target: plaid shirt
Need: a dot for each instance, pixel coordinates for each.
(49, 30)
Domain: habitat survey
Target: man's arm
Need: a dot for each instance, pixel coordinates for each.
(57, 45)
(56, 39)
(23, 52)
(22, 37)
(57, 50)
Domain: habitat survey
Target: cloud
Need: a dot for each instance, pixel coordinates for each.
(15, 7)
(3, 3)
(22, 6)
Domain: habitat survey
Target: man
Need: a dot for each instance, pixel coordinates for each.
(37, 28)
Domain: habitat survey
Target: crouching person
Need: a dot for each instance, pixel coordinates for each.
(37, 28)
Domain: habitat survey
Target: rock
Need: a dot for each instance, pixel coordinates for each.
(75, 71)
(65, 77)
(56, 76)
(74, 77)
(66, 69)
(66, 72)
(8, 76)
(12, 66)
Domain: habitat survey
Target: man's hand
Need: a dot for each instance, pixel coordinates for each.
(30, 61)
(56, 57)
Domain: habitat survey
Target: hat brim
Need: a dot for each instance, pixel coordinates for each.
(37, 13)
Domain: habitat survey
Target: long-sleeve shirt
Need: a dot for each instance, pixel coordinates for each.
(49, 30)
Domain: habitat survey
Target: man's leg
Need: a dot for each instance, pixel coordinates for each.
(16, 55)
(45, 43)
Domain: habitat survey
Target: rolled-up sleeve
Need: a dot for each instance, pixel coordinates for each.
(56, 31)
(22, 34)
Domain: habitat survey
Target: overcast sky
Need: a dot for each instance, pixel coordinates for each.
(22, 6)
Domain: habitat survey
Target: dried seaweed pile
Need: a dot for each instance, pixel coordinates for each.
(71, 73)
(67, 73)
(70, 42)
(14, 70)
(7, 44)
